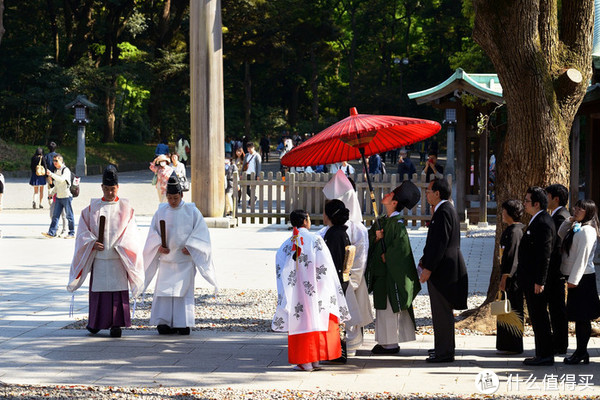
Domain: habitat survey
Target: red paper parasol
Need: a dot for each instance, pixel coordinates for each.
(373, 134)
(357, 136)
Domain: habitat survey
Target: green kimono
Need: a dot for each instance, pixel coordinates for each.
(397, 278)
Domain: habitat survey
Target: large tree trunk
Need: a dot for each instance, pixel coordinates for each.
(1, 19)
(169, 23)
(109, 117)
(544, 70)
(53, 28)
(247, 99)
(314, 88)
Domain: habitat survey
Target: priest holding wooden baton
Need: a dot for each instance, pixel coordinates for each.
(108, 247)
(178, 243)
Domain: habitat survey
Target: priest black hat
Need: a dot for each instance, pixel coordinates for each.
(109, 176)
(407, 195)
(173, 186)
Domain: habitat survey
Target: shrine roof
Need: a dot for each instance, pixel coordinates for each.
(484, 86)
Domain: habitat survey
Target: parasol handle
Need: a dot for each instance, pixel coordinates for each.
(377, 224)
(163, 233)
(101, 225)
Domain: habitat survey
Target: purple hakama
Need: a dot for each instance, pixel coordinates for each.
(108, 309)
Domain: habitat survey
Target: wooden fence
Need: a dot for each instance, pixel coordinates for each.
(271, 199)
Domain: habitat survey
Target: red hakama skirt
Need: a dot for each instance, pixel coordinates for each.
(311, 347)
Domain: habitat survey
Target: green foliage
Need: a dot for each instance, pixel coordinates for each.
(16, 156)
(300, 64)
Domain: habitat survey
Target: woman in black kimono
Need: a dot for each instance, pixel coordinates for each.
(509, 337)
(335, 216)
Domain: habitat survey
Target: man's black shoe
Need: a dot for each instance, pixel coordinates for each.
(184, 331)
(339, 360)
(165, 329)
(379, 349)
(115, 331)
(439, 359)
(539, 361)
(92, 330)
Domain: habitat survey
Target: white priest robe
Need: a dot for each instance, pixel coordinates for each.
(173, 302)
(120, 264)
(357, 299)
(359, 305)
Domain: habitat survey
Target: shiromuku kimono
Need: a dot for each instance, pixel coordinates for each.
(310, 300)
(115, 270)
(173, 302)
(359, 305)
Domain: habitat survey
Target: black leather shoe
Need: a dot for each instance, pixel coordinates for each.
(439, 359)
(115, 331)
(92, 330)
(379, 349)
(184, 331)
(165, 329)
(539, 360)
(577, 358)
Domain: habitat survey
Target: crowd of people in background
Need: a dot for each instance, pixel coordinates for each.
(167, 163)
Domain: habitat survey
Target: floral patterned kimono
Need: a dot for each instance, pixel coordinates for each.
(310, 300)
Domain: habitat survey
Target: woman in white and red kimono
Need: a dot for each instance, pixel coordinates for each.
(310, 300)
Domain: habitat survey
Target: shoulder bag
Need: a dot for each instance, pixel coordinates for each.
(39, 169)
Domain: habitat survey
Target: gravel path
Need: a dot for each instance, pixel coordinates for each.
(111, 392)
(251, 310)
(234, 310)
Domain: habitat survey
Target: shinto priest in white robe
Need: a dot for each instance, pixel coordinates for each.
(339, 187)
(116, 269)
(173, 302)
(309, 297)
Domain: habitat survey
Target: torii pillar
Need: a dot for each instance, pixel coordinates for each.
(206, 107)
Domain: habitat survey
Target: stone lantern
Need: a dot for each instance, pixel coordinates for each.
(81, 106)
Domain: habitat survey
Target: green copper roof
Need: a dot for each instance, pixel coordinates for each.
(485, 86)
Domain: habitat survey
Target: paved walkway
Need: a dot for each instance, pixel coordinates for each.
(34, 307)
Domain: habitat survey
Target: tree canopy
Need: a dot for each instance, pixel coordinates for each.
(288, 65)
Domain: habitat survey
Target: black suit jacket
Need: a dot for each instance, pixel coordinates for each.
(442, 256)
(535, 250)
(556, 258)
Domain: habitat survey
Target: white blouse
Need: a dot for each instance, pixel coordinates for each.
(580, 260)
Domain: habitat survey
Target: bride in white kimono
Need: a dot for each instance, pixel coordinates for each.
(310, 300)
(359, 305)
(187, 248)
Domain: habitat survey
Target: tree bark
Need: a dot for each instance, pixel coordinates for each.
(116, 20)
(53, 28)
(110, 100)
(169, 23)
(2, 30)
(247, 99)
(78, 29)
(531, 56)
(314, 88)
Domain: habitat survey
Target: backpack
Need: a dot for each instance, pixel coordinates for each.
(74, 185)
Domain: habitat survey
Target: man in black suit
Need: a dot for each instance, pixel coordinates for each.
(534, 260)
(443, 268)
(558, 196)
